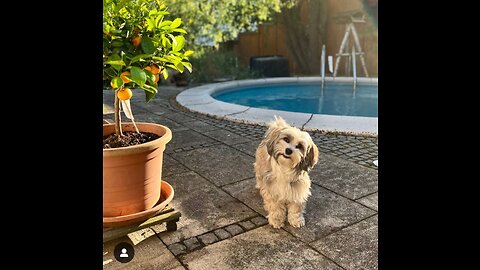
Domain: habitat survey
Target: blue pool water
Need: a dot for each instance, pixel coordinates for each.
(335, 99)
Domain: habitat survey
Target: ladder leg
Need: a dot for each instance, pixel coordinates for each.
(342, 48)
(359, 50)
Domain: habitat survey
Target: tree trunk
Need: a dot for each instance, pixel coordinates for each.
(118, 127)
(305, 38)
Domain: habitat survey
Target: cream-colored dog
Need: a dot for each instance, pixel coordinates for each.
(282, 162)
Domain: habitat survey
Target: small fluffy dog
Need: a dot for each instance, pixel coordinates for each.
(282, 162)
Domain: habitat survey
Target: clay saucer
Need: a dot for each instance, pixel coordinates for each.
(166, 195)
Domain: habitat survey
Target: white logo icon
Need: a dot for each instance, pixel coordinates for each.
(124, 253)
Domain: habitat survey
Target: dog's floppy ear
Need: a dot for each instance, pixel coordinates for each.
(275, 128)
(271, 139)
(311, 156)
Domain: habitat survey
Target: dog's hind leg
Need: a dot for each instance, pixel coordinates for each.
(295, 214)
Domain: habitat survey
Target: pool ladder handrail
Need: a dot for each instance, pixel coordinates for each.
(322, 65)
(354, 65)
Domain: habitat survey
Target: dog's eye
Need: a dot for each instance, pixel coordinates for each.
(286, 140)
(299, 146)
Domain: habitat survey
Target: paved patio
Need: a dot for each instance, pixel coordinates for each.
(209, 163)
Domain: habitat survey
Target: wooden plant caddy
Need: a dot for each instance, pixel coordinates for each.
(168, 215)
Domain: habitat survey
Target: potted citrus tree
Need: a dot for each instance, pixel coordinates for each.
(139, 43)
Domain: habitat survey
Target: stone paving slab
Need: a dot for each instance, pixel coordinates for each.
(186, 138)
(248, 147)
(156, 106)
(226, 137)
(261, 248)
(152, 118)
(370, 201)
(150, 254)
(246, 192)
(355, 247)
(171, 166)
(344, 177)
(180, 118)
(200, 126)
(363, 149)
(203, 206)
(211, 162)
(325, 212)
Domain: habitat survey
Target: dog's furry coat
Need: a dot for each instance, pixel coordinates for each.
(282, 162)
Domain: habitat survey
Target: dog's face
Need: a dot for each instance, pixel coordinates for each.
(290, 147)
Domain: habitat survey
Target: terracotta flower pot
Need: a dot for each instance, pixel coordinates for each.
(132, 175)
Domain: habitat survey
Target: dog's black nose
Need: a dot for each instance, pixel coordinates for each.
(288, 151)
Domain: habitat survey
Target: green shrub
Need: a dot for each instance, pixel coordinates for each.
(210, 65)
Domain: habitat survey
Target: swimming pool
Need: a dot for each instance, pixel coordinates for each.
(201, 99)
(337, 98)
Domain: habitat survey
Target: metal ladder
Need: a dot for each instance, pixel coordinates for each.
(349, 18)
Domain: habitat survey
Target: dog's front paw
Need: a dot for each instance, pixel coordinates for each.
(296, 222)
(275, 222)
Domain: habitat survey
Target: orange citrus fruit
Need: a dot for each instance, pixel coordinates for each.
(124, 94)
(154, 69)
(136, 41)
(156, 77)
(124, 78)
(148, 68)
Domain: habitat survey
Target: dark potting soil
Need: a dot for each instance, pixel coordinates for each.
(129, 138)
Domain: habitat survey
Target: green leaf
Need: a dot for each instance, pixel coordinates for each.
(150, 88)
(188, 66)
(110, 72)
(152, 12)
(115, 63)
(147, 45)
(123, 12)
(166, 42)
(150, 77)
(117, 43)
(139, 57)
(176, 23)
(163, 13)
(172, 66)
(188, 53)
(159, 59)
(179, 66)
(150, 23)
(173, 59)
(138, 76)
(158, 19)
(150, 91)
(180, 43)
(116, 82)
(180, 30)
(165, 23)
(149, 95)
(174, 41)
(165, 73)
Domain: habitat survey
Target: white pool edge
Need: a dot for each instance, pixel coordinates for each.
(199, 99)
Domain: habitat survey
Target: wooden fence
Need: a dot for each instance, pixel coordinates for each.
(270, 40)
